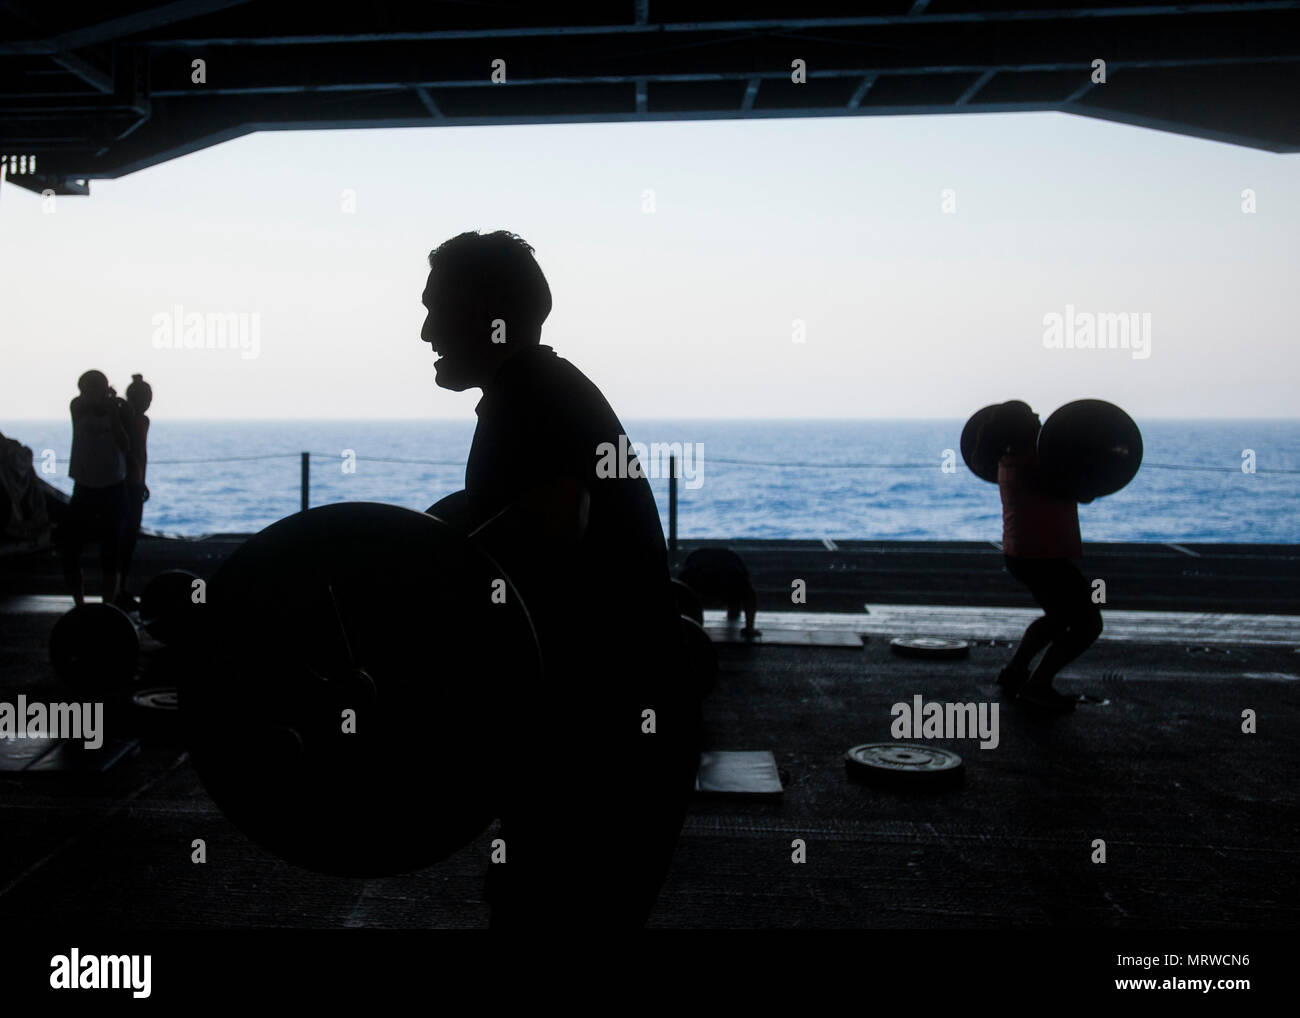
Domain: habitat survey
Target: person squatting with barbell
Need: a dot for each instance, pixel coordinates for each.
(1041, 540)
(612, 732)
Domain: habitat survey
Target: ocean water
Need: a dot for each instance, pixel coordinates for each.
(865, 479)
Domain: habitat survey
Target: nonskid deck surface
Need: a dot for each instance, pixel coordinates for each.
(1197, 816)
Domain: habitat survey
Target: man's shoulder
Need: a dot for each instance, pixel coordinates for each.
(554, 390)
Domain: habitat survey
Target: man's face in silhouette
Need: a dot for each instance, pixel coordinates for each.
(454, 331)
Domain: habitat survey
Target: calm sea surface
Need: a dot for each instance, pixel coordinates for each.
(757, 479)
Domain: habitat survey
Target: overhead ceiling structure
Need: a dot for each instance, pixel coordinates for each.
(101, 90)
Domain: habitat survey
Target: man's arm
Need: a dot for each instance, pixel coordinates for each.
(552, 514)
(120, 436)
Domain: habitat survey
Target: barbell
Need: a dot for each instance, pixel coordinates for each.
(342, 697)
(95, 647)
(1089, 448)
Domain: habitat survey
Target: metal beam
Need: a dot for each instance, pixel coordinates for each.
(429, 104)
(1228, 137)
(985, 71)
(976, 85)
(91, 75)
(151, 156)
(751, 25)
(912, 48)
(114, 28)
(41, 182)
(861, 91)
(62, 55)
(603, 73)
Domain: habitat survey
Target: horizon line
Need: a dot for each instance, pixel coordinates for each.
(471, 419)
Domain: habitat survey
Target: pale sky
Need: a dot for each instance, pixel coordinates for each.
(687, 310)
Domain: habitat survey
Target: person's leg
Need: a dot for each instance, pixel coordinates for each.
(1039, 633)
(131, 530)
(1069, 594)
(751, 608)
(112, 509)
(1081, 634)
(72, 537)
(595, 855)
(70, 553)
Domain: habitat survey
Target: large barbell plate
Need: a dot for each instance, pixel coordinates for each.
(453, 509)
(168, 608)
(933, 648)
(1092, 447)
(903, 764)
(699, 658)
(94, 648)
(687, 601)
(981, 463)
(372, 609)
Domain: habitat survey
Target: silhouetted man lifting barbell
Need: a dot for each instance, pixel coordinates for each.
(607, 745)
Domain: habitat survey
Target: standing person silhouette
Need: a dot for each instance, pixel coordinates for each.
(139, 396)
(1040, 543)
(97, 465)
(591, 827)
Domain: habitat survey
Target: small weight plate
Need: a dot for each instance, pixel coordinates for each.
(903, 764)
(931, 647)
(160, 698)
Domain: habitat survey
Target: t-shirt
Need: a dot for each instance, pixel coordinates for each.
(608, 597)
(96, 461)
(607, 624)
(1037, 520)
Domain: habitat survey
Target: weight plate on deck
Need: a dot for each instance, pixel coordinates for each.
(94, 648)
(357, 689)
(1093, 448)
(931, 647)
(167, 608)
(903, 764)
(161, 698)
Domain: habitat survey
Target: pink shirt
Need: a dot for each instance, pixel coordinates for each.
(1037, 522)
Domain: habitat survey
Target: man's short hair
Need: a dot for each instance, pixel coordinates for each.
(92, 379)
(497, 272)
